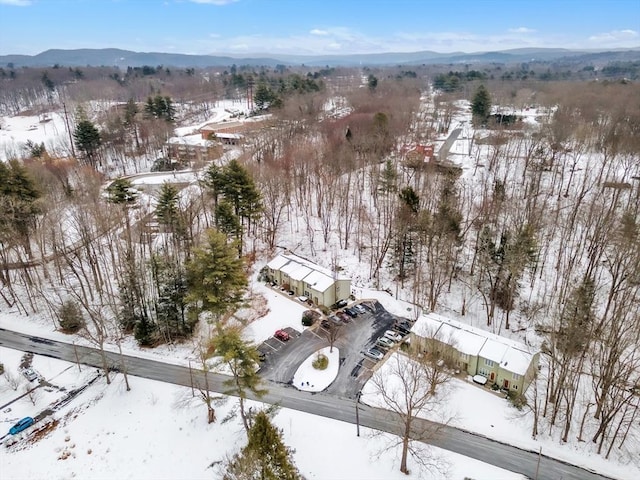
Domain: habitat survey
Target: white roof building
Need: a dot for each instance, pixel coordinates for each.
(495, 351)
(306, 278)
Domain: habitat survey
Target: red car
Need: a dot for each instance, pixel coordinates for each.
(281, 335)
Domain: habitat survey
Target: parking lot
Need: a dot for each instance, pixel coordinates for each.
(283, 358)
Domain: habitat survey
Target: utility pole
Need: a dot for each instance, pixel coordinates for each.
(538, 465)
(357, 414)
(75, 350)
(193, 393)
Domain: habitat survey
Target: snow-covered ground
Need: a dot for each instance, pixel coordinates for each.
(16, 131)
(159, 431)
(128, 440)
(474, 408)
(112, 421)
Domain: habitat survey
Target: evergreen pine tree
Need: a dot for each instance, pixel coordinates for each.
(481, 105)
(388, 179)
(215, 276)
(171, 304)
(70, 316)
(263, 96)
(19, 204)
(372, 82)
(121, 192)
(242, 359)
(226, 220)
(265, 457)
(234, 183)
(87, 139)
(130, 122)
(167, 211)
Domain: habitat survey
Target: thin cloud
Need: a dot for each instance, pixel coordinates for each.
(616, 36)
(16, 3)
(317, 31)
(521, 30)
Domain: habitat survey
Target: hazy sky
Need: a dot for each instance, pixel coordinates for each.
(239, 27)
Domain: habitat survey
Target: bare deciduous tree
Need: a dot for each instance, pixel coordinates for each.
(405, 389)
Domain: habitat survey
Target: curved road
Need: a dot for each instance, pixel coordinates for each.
(339, 408)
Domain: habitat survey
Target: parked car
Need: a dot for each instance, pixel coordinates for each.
(403, 327)
(343, 317)
(360, 309)
(281, 335)
(30, 373)
(394, 336)
(262, 356)
(351, 312)
(374, 353)
(23, 424)
(341, 303)
(480, 379)
(326, 324)
(302, 299)
(335, 319)
(385, 342)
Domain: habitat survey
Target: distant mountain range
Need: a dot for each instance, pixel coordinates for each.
(126, 58)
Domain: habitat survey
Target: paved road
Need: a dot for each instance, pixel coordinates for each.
(448, 143)
(323, 404)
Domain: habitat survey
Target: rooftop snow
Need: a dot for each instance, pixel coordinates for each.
(493, 350)
(278, 262)
(512, 355)
(319, 281)
(301, 272)
(516, 361)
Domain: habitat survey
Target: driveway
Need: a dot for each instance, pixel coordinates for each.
(354, 338)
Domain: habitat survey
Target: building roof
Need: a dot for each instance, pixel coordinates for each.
(300, 272)
(301, 269)
(516, 361)
(277, 262)
(493, 350)
(289, 268)
(319, 281)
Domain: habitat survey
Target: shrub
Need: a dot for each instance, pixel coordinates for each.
(321, 362)
(324, 310)
(70, 315)
(517, 400)
(309, 316)
(1, 368)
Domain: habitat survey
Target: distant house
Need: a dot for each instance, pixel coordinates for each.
(502, 361)
(305, 278)
(227, 133)
(192, 148)
(420, 153)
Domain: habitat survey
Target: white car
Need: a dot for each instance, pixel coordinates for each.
(384, 342)
(360, 309)
(393, 335)
(30, 373)
(374, 353)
